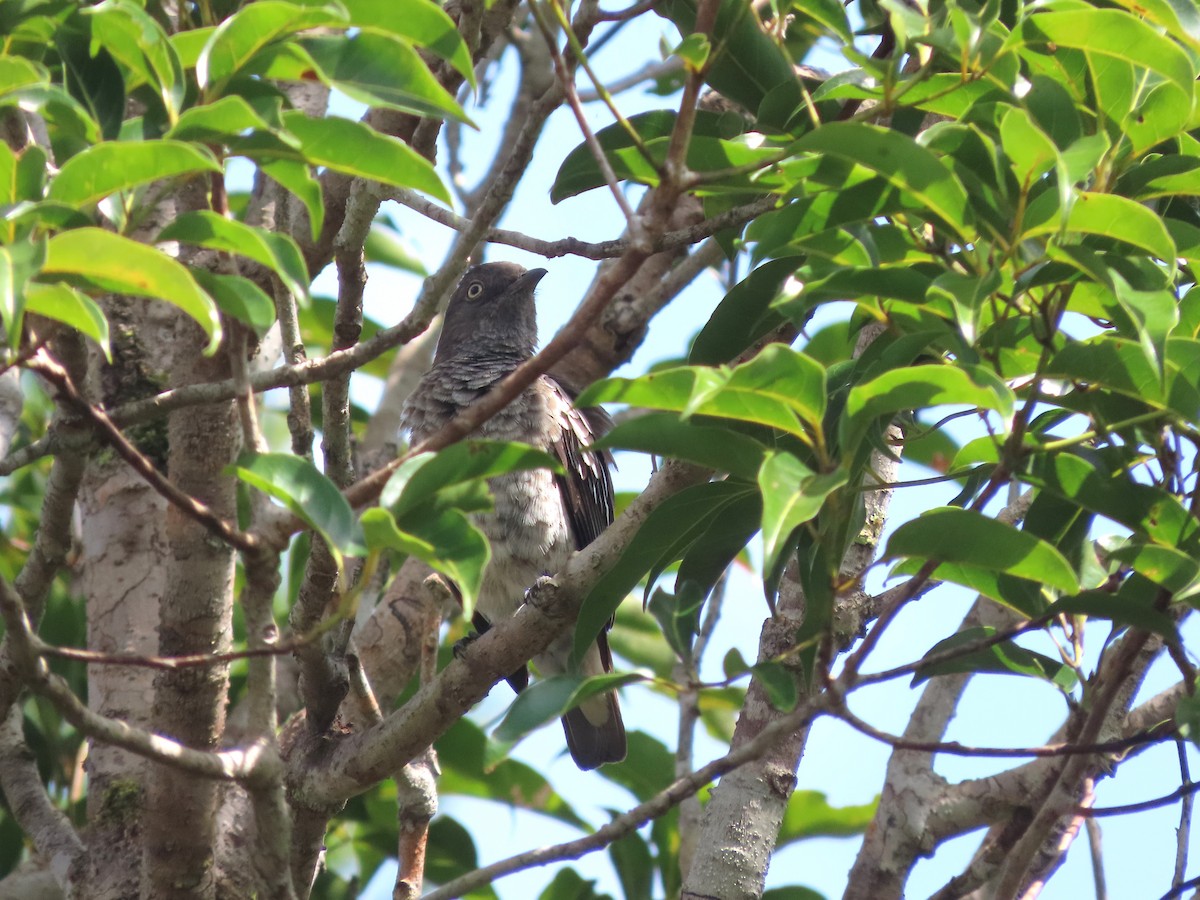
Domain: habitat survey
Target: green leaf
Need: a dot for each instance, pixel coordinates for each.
(792, 494)
(1181, 18)
(779, 387)
(1003, 658)
(251, 29)
(1120, 364)
(295, 176)
(383, 248)
(112, 263)
(920, 387)
(579, 172)
(1143, 509)
(694, 50)
(19, 263)
(445, 539)
(899, 160)
(809, 815)
(113, 166)
(665, 434)
(461, 758)
(634, 863)
(240, 298)
(1109, 35)
(1032, 153)
(277, 252)
(548, 699)
(744, 315)
(17, 72)
(1173, 570)
(954, 535)
(779, 684)
(1121, 610)
(422, 22)
(381, 70)
(65, 304)
(792, 892)
(1109, 216)
(140, 46)
(748, 63)
(222, 119)
(1187, 717)
(307, 494)
(353, 148)
(421, 477)
(567, 884)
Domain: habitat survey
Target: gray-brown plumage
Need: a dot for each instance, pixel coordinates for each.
(540, 519)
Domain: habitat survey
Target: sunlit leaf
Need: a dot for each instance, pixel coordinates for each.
(109, 262)
(113, 166)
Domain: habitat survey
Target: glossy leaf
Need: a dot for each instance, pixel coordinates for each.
(140, 45)
(381, 70)
(809, 814)
(899, 160)
(665, 434)
(240, 298)
(421, 477)
(744, 315)
(353, 148)
(420, 21)
(668, 531)
(306, 493)
(579, 172)
(549, 698)
(105, 261)
(748, 64)
(235, 43)
(957, 535)
(445, 539)
(296, 177)
(1002, 658)
(113, 166)
(779, 387)
(67, 305)
(921, 387)
(461, 758)
(792, 494)
(1110, 216)
(277, 252)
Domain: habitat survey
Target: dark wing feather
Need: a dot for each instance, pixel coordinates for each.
(586, 485)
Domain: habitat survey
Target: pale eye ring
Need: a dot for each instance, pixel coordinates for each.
(474, 289)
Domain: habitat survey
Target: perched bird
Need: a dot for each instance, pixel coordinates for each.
(540, 518)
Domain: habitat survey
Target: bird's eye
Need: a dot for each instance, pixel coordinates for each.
(474, 289)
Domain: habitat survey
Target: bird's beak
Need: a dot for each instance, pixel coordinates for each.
(530, 279)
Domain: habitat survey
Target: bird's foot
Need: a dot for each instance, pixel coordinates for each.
(542, 588)
(460, 647)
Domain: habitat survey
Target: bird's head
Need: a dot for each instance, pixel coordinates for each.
(491, 312)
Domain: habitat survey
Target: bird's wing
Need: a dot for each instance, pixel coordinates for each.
(586, 485)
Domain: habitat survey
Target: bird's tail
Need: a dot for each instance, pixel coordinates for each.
(595, 732)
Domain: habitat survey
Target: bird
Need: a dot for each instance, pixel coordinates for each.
(539, 518)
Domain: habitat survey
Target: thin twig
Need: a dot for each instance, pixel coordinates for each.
(1184, 833)
(954, 748)
(731, 218)
(1096, 845)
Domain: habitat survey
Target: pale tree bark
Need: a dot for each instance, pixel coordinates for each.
(123, 575)
(196, 616)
